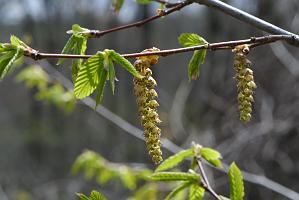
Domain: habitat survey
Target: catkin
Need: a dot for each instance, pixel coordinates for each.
(245, 82)
(144, 90)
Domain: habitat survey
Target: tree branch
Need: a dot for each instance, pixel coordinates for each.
(253, 42)
(248, 18)
(160, 13)
(205, 180)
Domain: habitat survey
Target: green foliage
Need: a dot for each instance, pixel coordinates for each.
(175, 160)
(94, 195)
(95, 166)
(54, 94)
(7, 60)
(198, 58)
(212, 156)
(88, 76)
(57, 96)
(174, 176)
(147, 191)
(236, 183)
(123, 62)
(76, 44)
(96, 70)
(196, 192)
(176, 191)
(33, 76)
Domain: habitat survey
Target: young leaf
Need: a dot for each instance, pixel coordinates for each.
(94, 195)
(101, 85)
(88, 76)
(77, 29)
(212, 156)
(112, 76)
(236, 183)
(177, 190)
(125, 64)
(191, 39)
(128, 178)
(196, 192)
(197, 59)
(174, 176)
(67, 48)
(15, 41)
(174, 160)
(7, 61)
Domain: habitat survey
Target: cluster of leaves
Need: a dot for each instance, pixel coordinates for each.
(93, 74)
(9, 54)
(53, 93)
(94, 165)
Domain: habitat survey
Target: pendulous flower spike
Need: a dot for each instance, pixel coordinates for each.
(144, 90)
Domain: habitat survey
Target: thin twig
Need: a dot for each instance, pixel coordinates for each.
(248, 18)
(205, 180)
(253, 41)
(160, 13)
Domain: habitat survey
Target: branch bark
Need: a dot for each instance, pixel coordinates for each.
(248, 18)
(253, 42)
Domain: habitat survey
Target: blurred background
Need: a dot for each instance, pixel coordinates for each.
(39, 142)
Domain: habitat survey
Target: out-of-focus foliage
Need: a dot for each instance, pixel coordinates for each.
(94, 195)
(95, 166)
(48, 91)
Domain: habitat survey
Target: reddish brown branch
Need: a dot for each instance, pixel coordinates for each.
(160, 13)
(252, 42)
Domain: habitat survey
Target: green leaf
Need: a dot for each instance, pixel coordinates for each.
(144, 1)
(177, 190)
(174, 160)
(112, 76)
(94, 195)
(196, 192)
(197, 59)
(236, 183)
(128, 178)
(174, 176)
(191, 39)
(68, 48)
(212, 156)
(102, 81)
(15, 41)
(223, 197)
(125, 64)
(7, 60)
(117, 4)
(77, 29)
(88, 76)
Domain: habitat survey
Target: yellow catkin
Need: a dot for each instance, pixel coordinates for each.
(144, 90)
(245, 82)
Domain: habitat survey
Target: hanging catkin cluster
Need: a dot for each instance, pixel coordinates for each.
(144, 90)
(245, 82)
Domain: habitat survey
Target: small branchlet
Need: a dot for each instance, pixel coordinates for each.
(245, 82)
(144, 90)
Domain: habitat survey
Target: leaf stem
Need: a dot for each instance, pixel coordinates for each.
(227, 45)
(160, 14)
(205, 180)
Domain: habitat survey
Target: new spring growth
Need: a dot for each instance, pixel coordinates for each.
(245, 82)
(144, 90)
